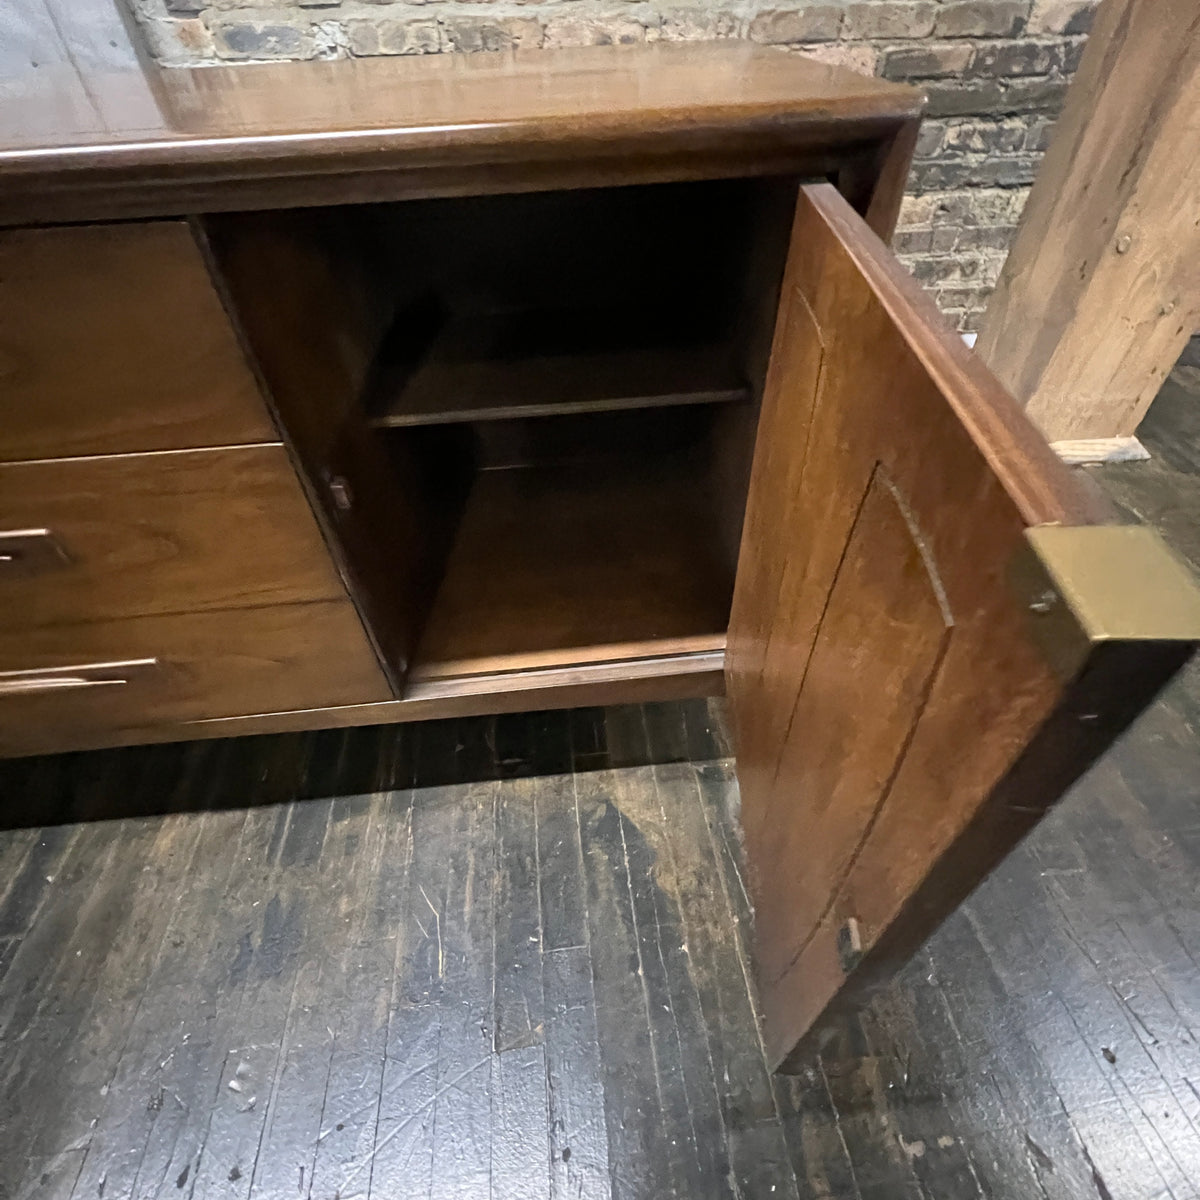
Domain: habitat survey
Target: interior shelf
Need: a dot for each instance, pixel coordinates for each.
(562, 565)
(527, 365)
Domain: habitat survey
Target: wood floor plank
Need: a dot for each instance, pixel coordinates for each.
(33, 879)
(651, 799)
(637, 1134)
(113, 948)
(578, 1140)
(692, 1171)
(462, 913)
(562, 892)
(517, 926)
(758, 1153)
(447, 965)
(579, 1146)
(48, 990)
(273, 942)
(167, 1030)
(1070, 1032)
(965, 973)
(296, 1102)
(938, 1067)
(403, 1156)
(520, 1141)
(345, 1144)
(179, 1091)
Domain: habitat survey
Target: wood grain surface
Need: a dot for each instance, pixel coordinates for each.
(112, 340)
(579, 562)
(212, 664)
(891, 521)
(1097, 298)
(92, 131)
(162, 533)
(285, 906)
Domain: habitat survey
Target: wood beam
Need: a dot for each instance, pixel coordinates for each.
(1101, 290)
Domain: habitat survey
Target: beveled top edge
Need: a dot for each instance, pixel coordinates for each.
(75, 109)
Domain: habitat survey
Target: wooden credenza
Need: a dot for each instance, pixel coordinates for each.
(344, 393)
(357, 392)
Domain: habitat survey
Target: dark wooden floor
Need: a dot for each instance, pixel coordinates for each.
(507, 958)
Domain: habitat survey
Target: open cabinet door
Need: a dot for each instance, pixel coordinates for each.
(934, 632)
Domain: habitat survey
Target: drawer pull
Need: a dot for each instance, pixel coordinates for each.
(29, 552)
(45, 680)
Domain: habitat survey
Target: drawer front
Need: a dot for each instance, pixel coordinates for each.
(88, 685)
(113, 339)
(142, 534)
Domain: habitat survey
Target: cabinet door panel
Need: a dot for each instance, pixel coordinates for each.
(916, 669)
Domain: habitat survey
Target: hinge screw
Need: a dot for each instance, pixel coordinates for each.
(340, 494)
(1044, 602)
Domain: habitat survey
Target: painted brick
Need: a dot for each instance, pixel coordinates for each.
(964, 209)
(883, 19)
(855, 56)
(1062, 16)
(913, 241)
(1038, 132)
(975, 269)
(1035, 95)
(479, 33)
(958, 98)
(981, 18)
(1017, 58)
(238, 39)
(979, 96)
(943, 238)
(930, 139)
(790, 25)
(931, 60)
(964, 299)
(178, 42)
(1006, 171)
(390, 36)
(984, 237)
(696, 24)
(1006, 135)
(608, 30)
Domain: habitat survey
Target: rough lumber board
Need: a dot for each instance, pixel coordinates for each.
(1100, 293)
(1076, 452)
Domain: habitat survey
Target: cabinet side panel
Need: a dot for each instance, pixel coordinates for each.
(313, 315)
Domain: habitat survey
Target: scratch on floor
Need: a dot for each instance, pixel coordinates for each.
(437, 917)
(412, 1116)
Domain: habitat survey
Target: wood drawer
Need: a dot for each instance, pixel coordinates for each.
(142, 534)
(89, 685)
(113, 339)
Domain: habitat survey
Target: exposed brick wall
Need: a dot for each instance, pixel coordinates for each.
(995, 72)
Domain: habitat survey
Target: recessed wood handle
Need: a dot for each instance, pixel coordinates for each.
(30, 552)
(45, 680)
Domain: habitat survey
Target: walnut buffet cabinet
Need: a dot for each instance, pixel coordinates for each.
(350, 392)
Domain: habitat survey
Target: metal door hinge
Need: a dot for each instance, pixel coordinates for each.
(1088, 584)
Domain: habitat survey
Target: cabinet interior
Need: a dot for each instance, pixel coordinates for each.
(562, 389)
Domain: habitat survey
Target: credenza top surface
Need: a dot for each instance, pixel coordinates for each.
(82, 103)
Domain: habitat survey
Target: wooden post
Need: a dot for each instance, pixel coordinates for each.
(1102, 287)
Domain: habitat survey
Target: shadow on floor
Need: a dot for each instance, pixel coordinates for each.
(139, 781)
